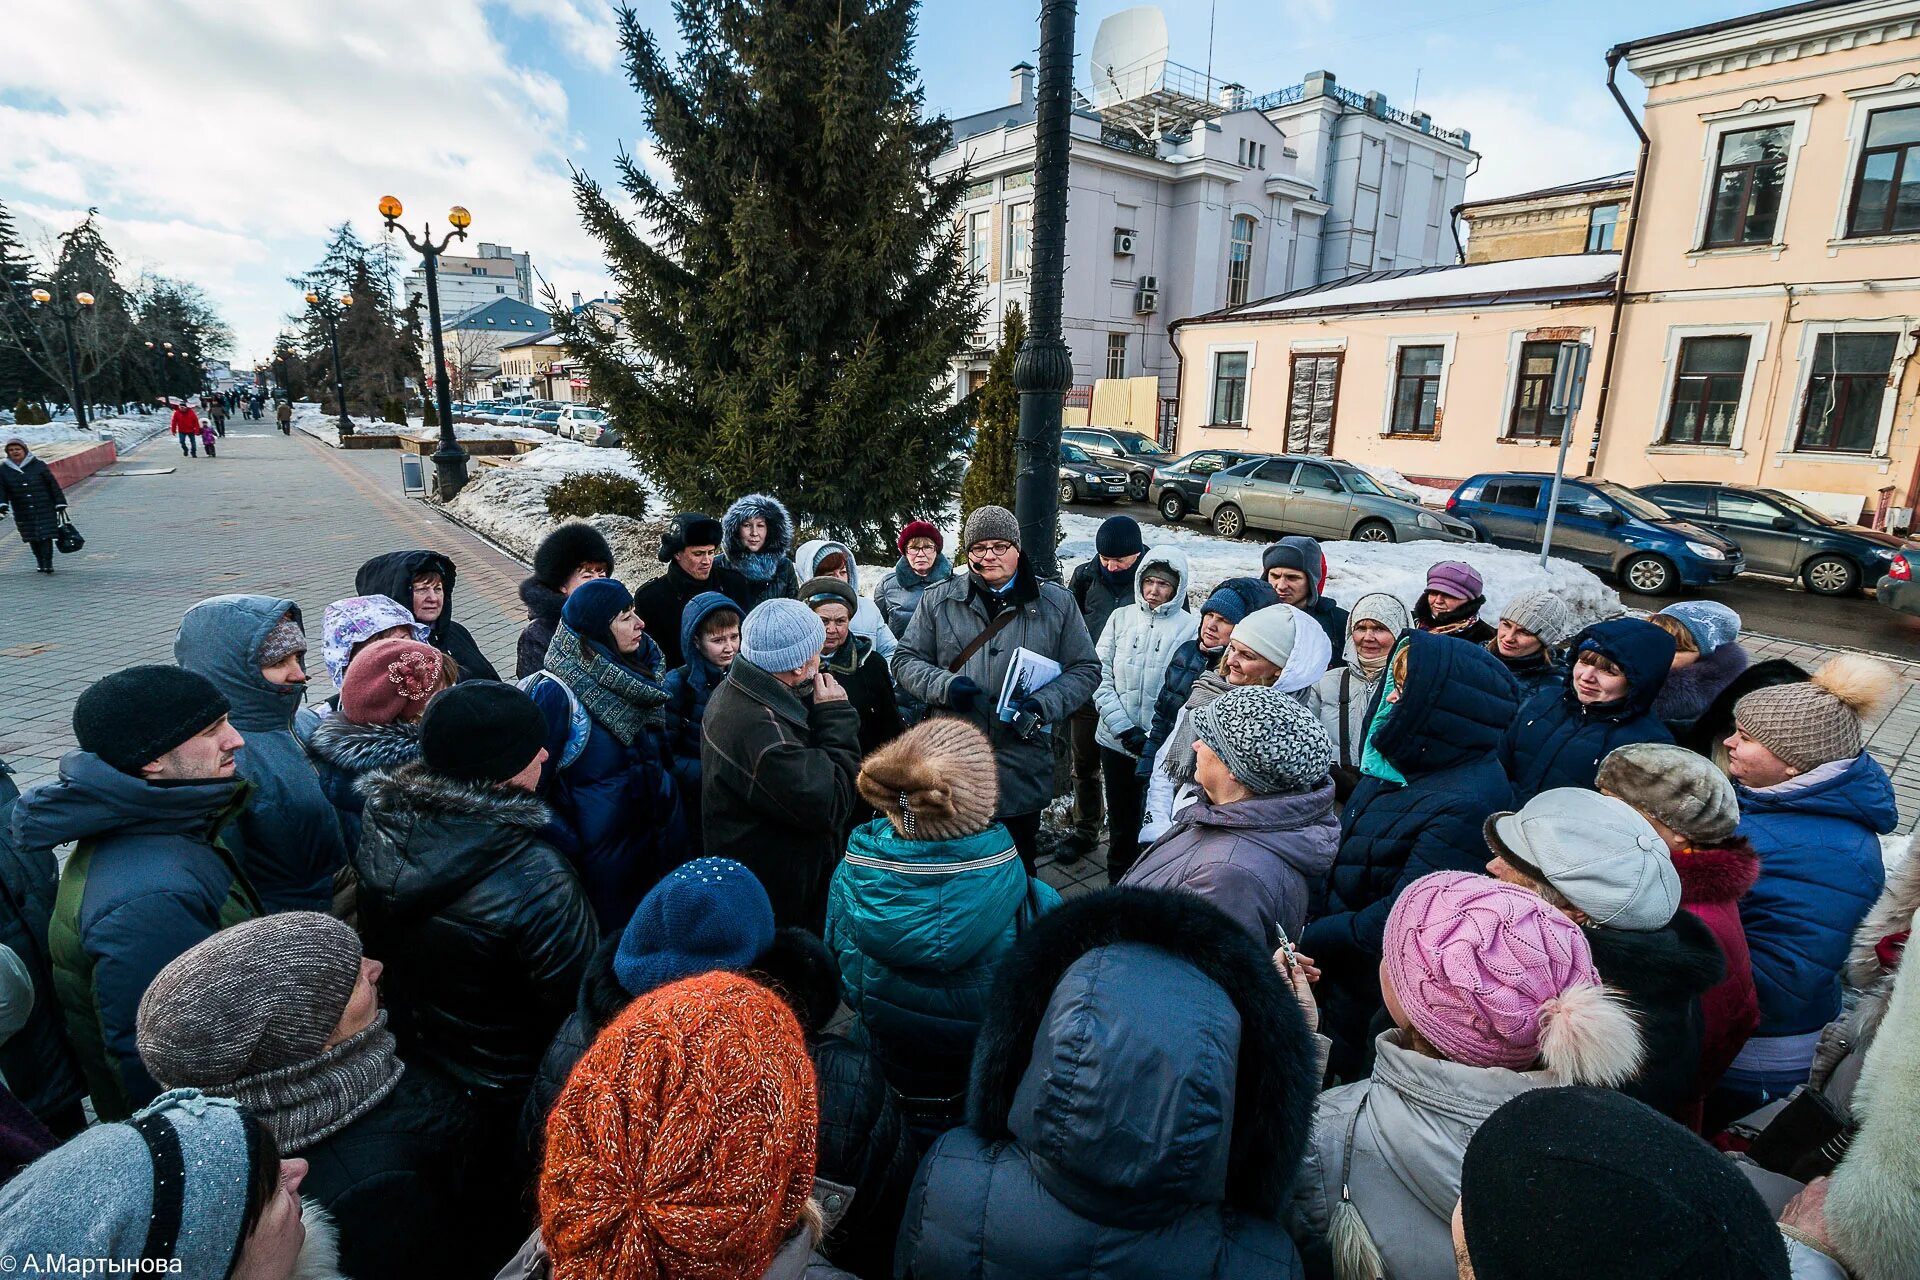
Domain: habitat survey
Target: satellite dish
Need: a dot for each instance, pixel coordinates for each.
(1129, 55)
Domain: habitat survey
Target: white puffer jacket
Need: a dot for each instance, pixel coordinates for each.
(1135, 649)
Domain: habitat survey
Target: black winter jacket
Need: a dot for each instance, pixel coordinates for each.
(543, 615)
(1188, 664)
(33, 496)
(392, 575)
(1097, 597)
(661, 602)
(1663, 973)
(1559, 741)
(40, 1068)
(1532, 673)
(483, 928)
(343, 752)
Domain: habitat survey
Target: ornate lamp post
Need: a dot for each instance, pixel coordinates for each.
(330, 316)
(162, 352)
(449, 460)
(65, 312)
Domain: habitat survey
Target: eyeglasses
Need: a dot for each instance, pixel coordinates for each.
(989, 550)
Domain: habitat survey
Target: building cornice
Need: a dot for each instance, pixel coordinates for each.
(1765, 42)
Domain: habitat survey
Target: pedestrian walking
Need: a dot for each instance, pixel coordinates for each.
(185, 425)
(31, 494)
(1343, 697)
(423, 581)
(217, 413)
(1099, 586)
(922, 563)
(572, 553)
(208, 437)
(1296, 569)
(283, 414)
(689, 549)
(1451, 604)
(757, 537)
(1532, 627)
(1614, 673)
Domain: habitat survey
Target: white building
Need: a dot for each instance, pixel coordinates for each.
(495, 272)
(1217, 200)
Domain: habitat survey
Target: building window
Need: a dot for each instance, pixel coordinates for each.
(1018, 181)
(1230, 389)
(1886, 187)
(1533, 418)
(1706, 391)
(1845, 391)
(977, 190)
(1019, 240)
(1603, 220)
(1116, 355)
(1240, 261)
(1416, 390)
(1747, 185)
(979, 240)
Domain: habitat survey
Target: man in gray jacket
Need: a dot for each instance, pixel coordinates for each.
(1002, 606)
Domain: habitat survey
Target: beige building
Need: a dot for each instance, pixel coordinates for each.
(1766, 326)
(1578, 217)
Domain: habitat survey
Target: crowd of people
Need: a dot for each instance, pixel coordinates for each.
(1437, 940)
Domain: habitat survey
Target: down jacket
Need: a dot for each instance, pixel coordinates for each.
(343, 752)
(32, 494)
(543, 615)
(1135, 649)
(769, 574)
(1141, 1095)
(688, 688)
(392, 575)
(898, 594)
(37, 1061)
(1559, 741)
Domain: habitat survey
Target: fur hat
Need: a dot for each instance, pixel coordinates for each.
(133, 717)
(1542, 614)
(689, 529)
(936, 781)
(1675, 786)
(920, 529)
(566, 548)
(1812, 723)
(990, 524)
(391, 680)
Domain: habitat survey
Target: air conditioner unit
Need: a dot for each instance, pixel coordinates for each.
(1147, 299)
(1123, 243)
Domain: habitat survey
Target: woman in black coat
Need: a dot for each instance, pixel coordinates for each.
(29, 491)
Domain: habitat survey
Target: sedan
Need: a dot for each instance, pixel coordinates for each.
(1323, 497)
(1082, 479)
(1781, 535)
(547, 420)
(1176, 487)
(1899, 590)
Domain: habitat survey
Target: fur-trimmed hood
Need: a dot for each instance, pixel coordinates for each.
(361, 748)
(1688, 692)
(426, 838)
(779, 527)
(1723, 873)
(1104, 1005)
(1891, 913)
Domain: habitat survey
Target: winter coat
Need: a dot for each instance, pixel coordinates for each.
(949, 617)
(1134, 650)
(483, 928)
(1533, 673)
(1256, 859)
(31, 493)
(1664, 974)
(1712, 883)
(918, 928)
(769, 574)
(37, 1061)
(543, 614)
(1559, 741)
(1820, 870)
(863, 674)
(343, 752)
(392, 575)
(796, 1260)
(1099, 596)
(185, 422)
(1343, 700)
(662, 602)
(688, 688)
(289, 839)
(1188, 663)
(150, 876)
(1140, 1096)
(1689, 691)
(776, 787)
(1709, 731)
(898, 594)
(866, 618)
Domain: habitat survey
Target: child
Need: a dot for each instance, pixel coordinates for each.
(710, 638)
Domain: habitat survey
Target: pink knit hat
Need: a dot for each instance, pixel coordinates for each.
(1479, 965)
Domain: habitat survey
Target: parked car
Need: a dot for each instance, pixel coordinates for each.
(1898, 590)
(1600, 524)
(1324, 497)
(547, 420)
(518, 416)
(488, 411)
(1137, 453)
(583, 423)
(1779, 534)
(1176, 487)
(1083, 479)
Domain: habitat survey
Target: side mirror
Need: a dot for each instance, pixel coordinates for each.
(1610, 516)
(1783, 523)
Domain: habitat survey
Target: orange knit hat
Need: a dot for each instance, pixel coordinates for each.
(682, 1147)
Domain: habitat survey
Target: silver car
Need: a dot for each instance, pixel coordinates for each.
(1323, 497)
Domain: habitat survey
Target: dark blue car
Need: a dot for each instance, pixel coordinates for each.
(1602, 525)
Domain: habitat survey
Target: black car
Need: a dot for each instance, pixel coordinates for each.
(1781, 535)
(1138, 454)
(1087, 479)
(1177, 486)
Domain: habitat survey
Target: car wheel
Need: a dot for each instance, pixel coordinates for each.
(1228, 522)
(1373, 531)
(1831, 576)
(1066, 492)
(1173, 508)
(1137, 486)
(1649, 575)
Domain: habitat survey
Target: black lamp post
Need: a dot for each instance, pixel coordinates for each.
(1043, 369)
(65, 313)
(449, 460)
(329, 314)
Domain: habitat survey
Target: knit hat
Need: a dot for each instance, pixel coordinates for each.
(1810, 723)
(1710, 623)
(481, 731)
(566, 548)
(920, 529)
(1382, 607)
(133, 717)
(594, 605)
(781, 635)
(936, 781)
(1597, 852)
(689, 529)
(705, 915)
(1455, 578)
(1117, 538)
(285, 640)
(1270, 741)
(1680, 788)
(1235, 598)
(1589, 1184)
(1285, 555)
(1290, 640)
(990, 524)
(1542, 614)
(684, 1141)
(1492, 976)
(826, 589)
(390, 681)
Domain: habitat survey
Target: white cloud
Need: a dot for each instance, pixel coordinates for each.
(1535, 139)
(585, 28)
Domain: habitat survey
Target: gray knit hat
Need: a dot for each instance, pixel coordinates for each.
(285, 639)
(1811, 723)
(1269, 740)
(1543, 614)
(781, 635)
(1675, 786)
(987, 524)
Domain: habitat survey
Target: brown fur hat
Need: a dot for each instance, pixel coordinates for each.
(936, 781)
(1676, 786)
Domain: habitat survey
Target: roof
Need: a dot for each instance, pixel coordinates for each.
(1569, 277)
(1605, 183)
(1725, 24)
(502, 315)
(546, 338)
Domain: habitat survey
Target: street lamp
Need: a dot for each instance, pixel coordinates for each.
(449, 460)
(66, 312)
(330, 315)
(161, 354)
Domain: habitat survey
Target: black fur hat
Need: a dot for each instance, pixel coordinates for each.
(690, 529)
(567, 548)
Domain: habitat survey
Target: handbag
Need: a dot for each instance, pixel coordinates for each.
(66, 537)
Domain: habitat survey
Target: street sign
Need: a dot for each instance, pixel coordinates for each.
(413, 480)
(1569, 388)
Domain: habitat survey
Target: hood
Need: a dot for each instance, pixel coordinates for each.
(1175, 562)
(1860, 793)
(768, 508)
(392, 575)
(346, 623)
(218, 639)
(697, 611)
(1454, 709)
(1721, 874)
(907, 913)
(1641, 650)
(542, 601)
(5, 461)
(425, 839)
(1660, 966)
(1275, 823)
(1144, 1050)
(810, 552)
(1316, 561)
(360, 748)
(92, 798)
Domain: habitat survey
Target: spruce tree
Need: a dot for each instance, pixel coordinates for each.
(20, 377)
(996, 427)
(794, 300)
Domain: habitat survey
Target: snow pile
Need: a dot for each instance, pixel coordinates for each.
(559, 458)
(1393, 482)
(126, 433)
(509, 505)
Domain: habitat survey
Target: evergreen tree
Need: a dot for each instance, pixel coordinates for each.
(379, 343)
(996, 427)
(21, 378)
(793, 307)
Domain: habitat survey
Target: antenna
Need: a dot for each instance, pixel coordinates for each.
(1416, 89)
(1213, 13)
(1129, 55)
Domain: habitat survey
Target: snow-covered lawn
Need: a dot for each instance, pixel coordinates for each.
(509, 505)
(126, 433)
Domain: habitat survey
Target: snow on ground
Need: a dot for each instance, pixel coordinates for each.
(509, 504)
(1390, 479)
(126, 433)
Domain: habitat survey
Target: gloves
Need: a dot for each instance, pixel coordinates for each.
(1030, 707)
(1135, 741)
(964, 696)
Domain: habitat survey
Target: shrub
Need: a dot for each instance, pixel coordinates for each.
(593, 493)
(30, 415)
(395, 410)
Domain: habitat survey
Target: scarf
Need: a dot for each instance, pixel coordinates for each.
(310, 1101)
(1448, 623)
(848, 658)
(1372, 763)
(1180, 763)
(1369, 671)
(939, 571)
(625, 698)
(759, 566)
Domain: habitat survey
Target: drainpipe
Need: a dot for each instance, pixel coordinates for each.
(1626, 258)
(1453, 217)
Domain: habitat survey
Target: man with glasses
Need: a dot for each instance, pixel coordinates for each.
(689, 549)
(955, 655)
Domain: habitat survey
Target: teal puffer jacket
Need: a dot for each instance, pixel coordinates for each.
(918, 928)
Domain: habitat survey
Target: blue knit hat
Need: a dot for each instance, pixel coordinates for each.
(1710, 623)
(595, 604)
(781, 635)
(707, 914)
(1235, 598)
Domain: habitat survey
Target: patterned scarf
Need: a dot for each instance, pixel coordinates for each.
(309, 1101)
(624, 698)
(1452, 622)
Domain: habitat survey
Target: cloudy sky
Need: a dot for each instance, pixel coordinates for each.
(221, 138)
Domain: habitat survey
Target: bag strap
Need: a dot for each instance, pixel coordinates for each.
(987, 633)
(1346, 697)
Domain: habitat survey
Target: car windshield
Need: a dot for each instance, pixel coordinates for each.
(1360, 482)
(1073, 453)
(550, 415)
(591, 415)
(1801, 509)
(1134, 442)
(1635, 504)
